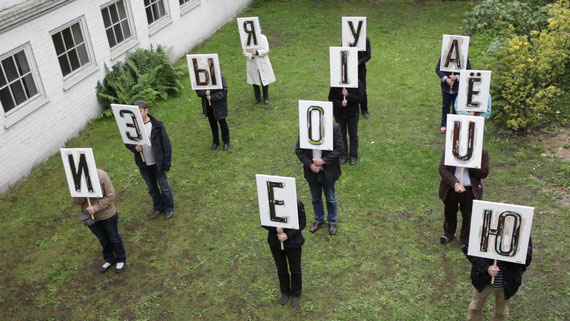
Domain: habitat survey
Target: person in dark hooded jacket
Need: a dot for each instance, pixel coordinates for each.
(215, 107)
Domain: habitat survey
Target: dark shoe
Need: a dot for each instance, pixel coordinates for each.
(154, 214)
(445, 239)
(257, 100)
(365, 114)
(343, 160)
(266, 101)
(284, 299)
(214, 146)
(169, 215)
(464, 248)
(120, 267)
(352, 161)
(295, 301)
(332, 229)
(226, 146)
(105, 267)
(315, 226)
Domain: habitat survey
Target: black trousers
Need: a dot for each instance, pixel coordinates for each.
(214, 127)
(258, 93)
(362, 78)
(453, 202)
(293, 285)
(108, 234)
(350, 124)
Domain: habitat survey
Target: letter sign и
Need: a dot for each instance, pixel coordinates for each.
(470, 139)
(315, 125)
(272, 202)
(82, 170)
(505, 244)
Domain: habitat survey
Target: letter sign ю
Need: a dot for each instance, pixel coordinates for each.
(354, 32)
(473, 93)
(81, 172)
(273, 201)
(316, 124)
(204, 70)
(464, 141)
(249, 32)
(506, 233)
(344, 67)
(454, 51)
(131, 125)
(277, 198)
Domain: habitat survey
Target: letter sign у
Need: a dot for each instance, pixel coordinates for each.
(272, 201)
(506, 234)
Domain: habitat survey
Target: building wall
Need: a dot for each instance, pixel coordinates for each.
(67, 106)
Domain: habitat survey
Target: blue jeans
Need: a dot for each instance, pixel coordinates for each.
(158, 188)
(317, 186)
(447, 101)
(107, 232)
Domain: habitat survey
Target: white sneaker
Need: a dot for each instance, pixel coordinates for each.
(120, 267)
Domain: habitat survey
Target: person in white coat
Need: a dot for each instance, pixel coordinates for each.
(259, 70)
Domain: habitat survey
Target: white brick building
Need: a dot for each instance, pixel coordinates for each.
(53, 52)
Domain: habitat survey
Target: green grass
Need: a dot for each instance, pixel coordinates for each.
(212, 260)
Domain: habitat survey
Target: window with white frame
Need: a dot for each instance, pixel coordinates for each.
(17, 83)
(187, 5)
(155, 10)
(117, 26)
(71, 48)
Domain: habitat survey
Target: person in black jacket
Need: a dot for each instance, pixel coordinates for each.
(215, 107)
(292, 242)
(157, 161)
(449, 87)
(508, 278)
(345, 109)
(322, 169)
(363, 57)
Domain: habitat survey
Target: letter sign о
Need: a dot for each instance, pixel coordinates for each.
(316, 124)
(277, 196)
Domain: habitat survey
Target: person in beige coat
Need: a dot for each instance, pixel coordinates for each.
(259, 69)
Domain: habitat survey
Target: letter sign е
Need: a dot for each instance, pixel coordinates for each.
(273, 202)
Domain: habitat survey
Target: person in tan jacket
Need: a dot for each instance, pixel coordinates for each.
(104, 226)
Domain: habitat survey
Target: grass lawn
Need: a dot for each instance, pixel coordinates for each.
(212, 261)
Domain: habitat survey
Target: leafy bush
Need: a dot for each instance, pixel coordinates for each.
(530, 73)
(145, 75)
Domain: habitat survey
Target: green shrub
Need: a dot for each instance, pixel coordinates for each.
(145, 75)
(531, 73)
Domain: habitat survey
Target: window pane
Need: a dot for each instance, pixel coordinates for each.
(83, 56)
(18, 92)
(3, 81)
(73, 59)
(119, 33)
(149, 15)
(22, 63)
(146, 3)
(58, 43)
(30, 86)
(121, 7)
(68, 39)
(126, 29)
(77, 34)
(161, 8)
(105, 14)
(111, 37)
(6, 99)
(65, 70)
(114, 14)
(10, 69)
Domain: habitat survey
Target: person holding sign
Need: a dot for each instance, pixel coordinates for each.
(292, 240)
(457, 189)
(363, 57)
(346, 114)
(156, 163)
(321, 170)
(449, 87)
(502, 279)
(259, 69)
(100, 215)
(215, 107)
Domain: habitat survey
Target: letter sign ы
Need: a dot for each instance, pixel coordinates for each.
(315, 124)
(277, 198)
(344, 67)
(249, 32)
(500, 231)
(454, 51)
(354, 32)
(473, 93)
(204, 71)
(131, 125)
(81, 172)
(464, 141)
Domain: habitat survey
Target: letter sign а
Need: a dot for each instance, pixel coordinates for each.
(473, 94)
(249, 32)
(354, 32)
(500, 231)
(204, 71)
(131, 125)
(454, 50)
(464, 141)
(344, 67)
(81, 172)
(277, 196)
(316, 124)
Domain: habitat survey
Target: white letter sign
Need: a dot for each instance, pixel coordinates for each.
(204, 71)
(316, 124)
(454, 51)
(277, 197)
(130, 124)
(473, 94)
(344, 67)
(464, 141)
(249, 32)
(81, 172)
(354, 32)
(500, 231)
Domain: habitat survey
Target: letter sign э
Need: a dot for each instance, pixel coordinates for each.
(454, 50)
(316, 124)
(81, 172)
(500, 231)
(277, 198)
(204, 71)
(131, 125)
(464, 141)
(249, 32)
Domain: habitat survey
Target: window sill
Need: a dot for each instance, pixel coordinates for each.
(119, 50)
(78, 76)
(15, 115)
(159, 25)
(188, 6)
